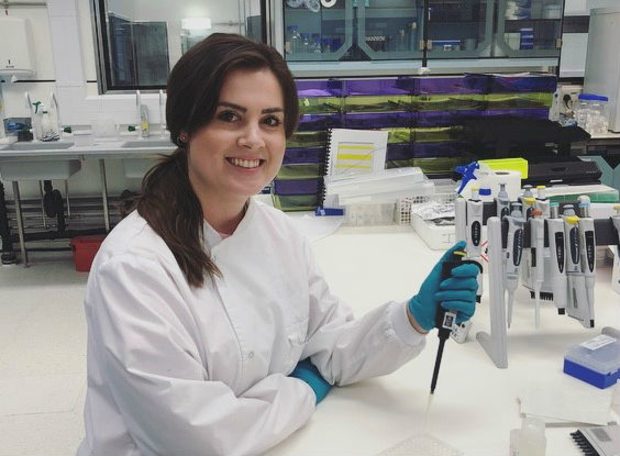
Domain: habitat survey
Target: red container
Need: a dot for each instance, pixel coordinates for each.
(84, 250)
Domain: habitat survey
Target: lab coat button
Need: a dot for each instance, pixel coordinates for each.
(251, 355)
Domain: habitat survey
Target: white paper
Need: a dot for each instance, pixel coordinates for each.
(565, 399)
(354, 152)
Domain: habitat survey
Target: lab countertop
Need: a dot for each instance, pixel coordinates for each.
(104, 149)
(475, 404)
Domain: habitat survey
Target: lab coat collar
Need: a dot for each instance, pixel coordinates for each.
(212, 238)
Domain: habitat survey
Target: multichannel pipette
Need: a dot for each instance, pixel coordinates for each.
(445, 320)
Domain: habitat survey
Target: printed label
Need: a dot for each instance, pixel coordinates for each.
(598, 342)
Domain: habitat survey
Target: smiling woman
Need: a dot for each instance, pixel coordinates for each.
(229, 99)
(241, 149)
(211, 330)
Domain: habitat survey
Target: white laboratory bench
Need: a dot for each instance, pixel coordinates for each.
(475, 404)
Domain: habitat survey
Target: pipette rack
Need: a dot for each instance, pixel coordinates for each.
(494, 342)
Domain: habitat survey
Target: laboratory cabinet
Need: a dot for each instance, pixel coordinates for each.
(474, 34)
(529, 28)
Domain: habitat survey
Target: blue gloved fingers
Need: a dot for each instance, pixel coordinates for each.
(423, 306)
(459, 284)
(450, 252)
(464, 309)
(465, 270)
(456, 295)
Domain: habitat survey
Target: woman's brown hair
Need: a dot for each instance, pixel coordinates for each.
(167, 201)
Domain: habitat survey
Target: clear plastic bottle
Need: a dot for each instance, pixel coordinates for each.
(305, 42)
(530, 440)
(288, 44)
(295, 40)
(591, 113)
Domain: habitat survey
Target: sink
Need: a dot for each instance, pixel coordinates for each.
(40, 145)
(159, 142)
(30, 168)
(39, 169)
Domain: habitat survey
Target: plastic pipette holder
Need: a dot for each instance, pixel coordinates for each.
(495, 341)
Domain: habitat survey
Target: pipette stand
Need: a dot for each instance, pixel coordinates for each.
(495, 341)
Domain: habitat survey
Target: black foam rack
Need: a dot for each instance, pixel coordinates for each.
(604, 229)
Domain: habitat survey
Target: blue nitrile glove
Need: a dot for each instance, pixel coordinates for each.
(457, 293)
(307, 372)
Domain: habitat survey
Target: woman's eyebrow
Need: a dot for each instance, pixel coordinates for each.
(242, 109)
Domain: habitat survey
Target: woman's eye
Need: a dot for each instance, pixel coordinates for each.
(273, 121)
(228, 116)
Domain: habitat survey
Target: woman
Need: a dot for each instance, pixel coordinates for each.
(202, 302)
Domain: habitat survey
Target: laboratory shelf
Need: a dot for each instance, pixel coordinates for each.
(448, 36)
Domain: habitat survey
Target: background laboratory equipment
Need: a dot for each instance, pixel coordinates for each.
(602, 74)
(592, 113)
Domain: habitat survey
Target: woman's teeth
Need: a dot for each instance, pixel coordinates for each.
(244, 163)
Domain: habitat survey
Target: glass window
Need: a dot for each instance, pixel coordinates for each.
(138, 41)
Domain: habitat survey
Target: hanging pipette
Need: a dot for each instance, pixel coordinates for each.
(512, 229)
(537, 230)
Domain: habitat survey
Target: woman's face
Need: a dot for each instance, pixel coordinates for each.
(241, 149)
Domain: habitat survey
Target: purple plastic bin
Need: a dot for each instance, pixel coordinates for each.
(444, 118)
(297, 186)
(370, 120)
(310, 88)
(315, 122)
(537, 113)
(528, 83)
(383, 86)
(399, 151)
(303, 155)
(435, 85)
(446, 149)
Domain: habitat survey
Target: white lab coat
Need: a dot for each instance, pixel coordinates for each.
(175, 370)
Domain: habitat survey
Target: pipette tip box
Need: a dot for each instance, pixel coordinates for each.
(596, 361)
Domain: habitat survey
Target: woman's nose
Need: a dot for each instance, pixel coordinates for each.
(251, 137)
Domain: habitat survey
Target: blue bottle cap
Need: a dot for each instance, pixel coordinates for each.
(592, 97)
(485, 192)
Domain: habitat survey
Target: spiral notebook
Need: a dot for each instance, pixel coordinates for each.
(353, 152)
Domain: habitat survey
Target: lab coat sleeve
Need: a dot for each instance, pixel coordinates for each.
(153, 368)
(346, 349)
